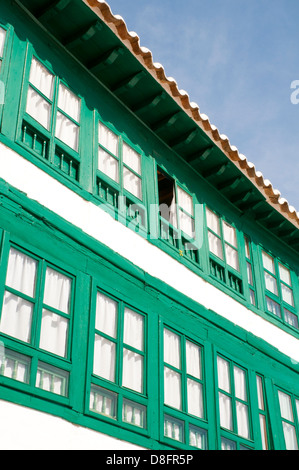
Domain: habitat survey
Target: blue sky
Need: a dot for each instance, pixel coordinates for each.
(237, 60)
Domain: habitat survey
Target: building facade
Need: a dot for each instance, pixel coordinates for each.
(149, 274)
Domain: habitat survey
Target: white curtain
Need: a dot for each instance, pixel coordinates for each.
(21, 272)
(133, 414)
(106, 315)
(232, 257)
(132, 183)
(50, 382)
(172, 354)
(57, 290)
(172, 388)
(223, 374)
(287, 294)
(197, 438)
(67, 131)
(290, 436)
(132, 370)
(102, 403)
(240, 383)
(185, 200)
(69, 102)
(225, 406)
(260, 395)
(108, 165)
(213, 221)
(54, 332)
(14, 368)
(38, 108)
(263, 429)
(108, 139)
(194, 396)
(173, 430)
(285, 406)
(271, 283)
(132, 159)
(2, 40)
(193, 354)
(133, 329)
(104, 358)
(229, 234)
(186, 224)
(242, 419)
(268, 262)
(284, 274)
(215, 245)
(41, 78)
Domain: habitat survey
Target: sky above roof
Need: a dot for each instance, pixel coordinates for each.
(238, 60)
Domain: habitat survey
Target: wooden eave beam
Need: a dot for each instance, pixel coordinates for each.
(230, 184)
(128, 83)
(200, 156)
(150, 103)
(83, 35)
(217, 170)
(167, 122)
(105, 60)
(185, 139)
(264, 216)
(51, 10)
(241, 197)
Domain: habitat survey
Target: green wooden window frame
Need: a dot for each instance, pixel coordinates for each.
(234, 405)
(183, 418)
(250, 272)
(279, 292)
(222, 240)
(32, 354)
(176, 216)
(289, 412)
(120, 179)
(118, 363)
(50, 118)
(263, 412)
(5, 45)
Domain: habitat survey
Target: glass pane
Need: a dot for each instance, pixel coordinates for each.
(223, 374)
(57, 290)
(108, 165)
(273, 307)
(247, 248)
(252, 297)
(52, 379)
(240, 383)
(195, 400)
(133, 413)
(229, 234)
(104, 358)
(227, 444)
(41, 78)
(133, 329)
(67, 131)
(106, 315)
(290, 436)
(242, 420)
(268, 262)
(173, 428)
(103, 401)
(172, 388)
(38, 108)
(271, 284)
(16, 317)
(21, 272)
(290, 318)
(198, 437)
(263, 429)
(132, 183)
(285, 406)
(215, 245)
(15, 366)
(193, 359)
(249, 274)
(172, 346)
(213, 221)
(108, 139)
(232, 258)
(287, 295)
(185, 200)
(2, 40)
(225, 406)
(132, 159)
(284, 274)
(186, 224)
(54, 333)
(260, 394)
(69, 102)
(132, 370)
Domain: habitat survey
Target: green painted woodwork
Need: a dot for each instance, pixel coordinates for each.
(53, 241)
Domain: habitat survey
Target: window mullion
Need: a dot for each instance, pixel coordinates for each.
(38, 308)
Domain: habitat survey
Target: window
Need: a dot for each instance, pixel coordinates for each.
(263, 419)
(183, 390)
(36, 311)
(2, 43)
(279, 294)
(289, 410)
(51, 123)
(119, 368)
(234, 412)
(176, 216)
(119, 175)
(250, 273)
(224, 255)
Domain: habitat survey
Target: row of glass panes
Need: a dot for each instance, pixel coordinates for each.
(17, 366)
